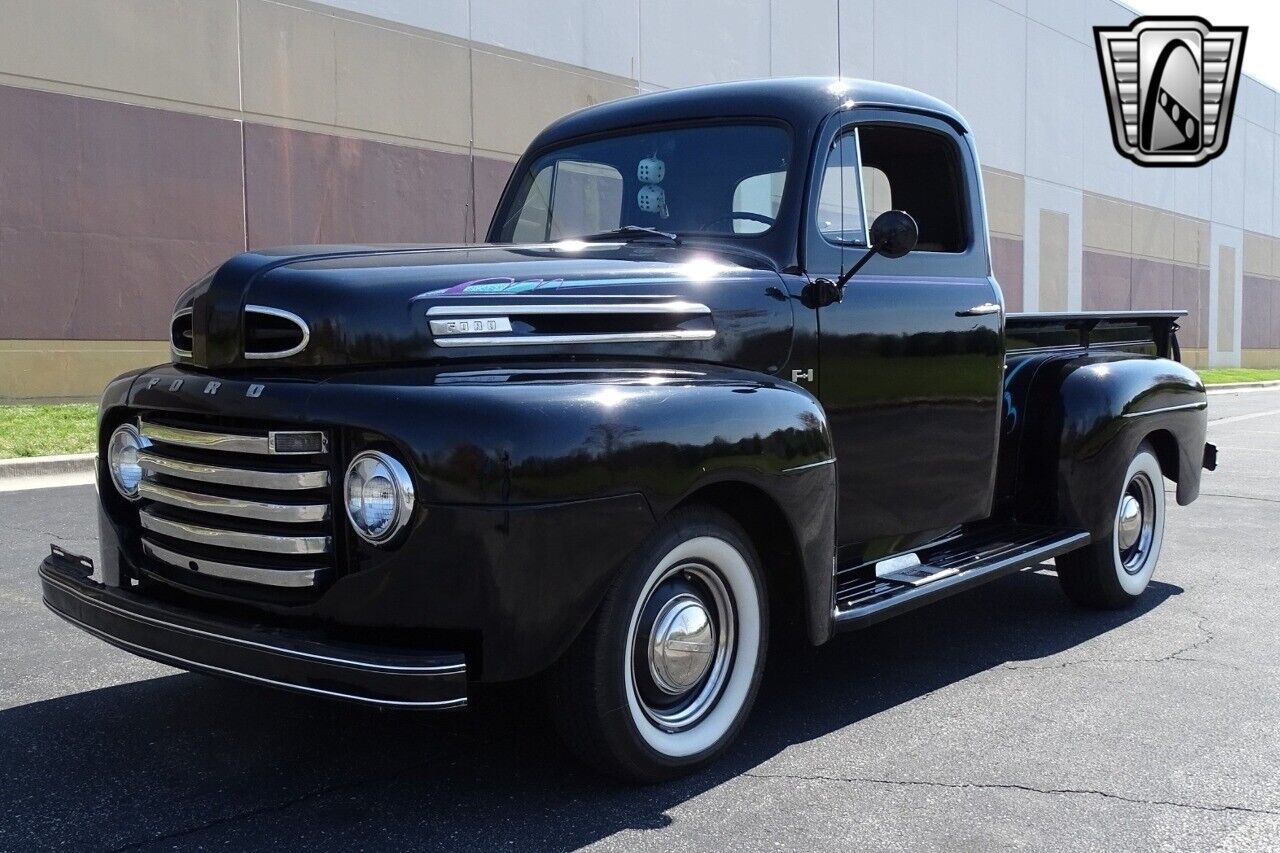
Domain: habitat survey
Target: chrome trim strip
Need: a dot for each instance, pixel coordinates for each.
(152, 463)
(808, 466)
(287, 578)
(262, 542)
(517, 309)
(262, 445)
(443, 669)
(1179, 408)
(183, 662)
(173, 350)
(293, 513)
(608, 338)
(205, 440)
(284, 315)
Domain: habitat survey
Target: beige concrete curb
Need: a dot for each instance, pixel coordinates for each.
(43, 466)
(1236, 386)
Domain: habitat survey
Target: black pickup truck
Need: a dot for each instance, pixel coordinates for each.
(654, 415)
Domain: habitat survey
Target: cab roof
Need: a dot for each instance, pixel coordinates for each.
(802, 102)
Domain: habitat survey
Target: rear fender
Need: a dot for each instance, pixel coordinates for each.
(1099, 409)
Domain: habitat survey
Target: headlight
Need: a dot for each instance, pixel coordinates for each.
(122, 459)
(379, 496)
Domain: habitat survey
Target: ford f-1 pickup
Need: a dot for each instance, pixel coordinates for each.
(731, 360)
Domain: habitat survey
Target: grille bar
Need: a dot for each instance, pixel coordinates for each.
(230, 442)
(292, 578)
(240, 507)
(154, 463)
(262, 542)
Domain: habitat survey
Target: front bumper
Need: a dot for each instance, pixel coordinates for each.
(242, 650)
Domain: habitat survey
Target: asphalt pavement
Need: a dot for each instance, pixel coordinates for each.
(1001, 718)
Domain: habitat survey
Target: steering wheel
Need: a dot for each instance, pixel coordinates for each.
(741, 214)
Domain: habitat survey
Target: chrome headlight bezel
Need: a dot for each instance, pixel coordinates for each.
(124, 438)
(365, 466)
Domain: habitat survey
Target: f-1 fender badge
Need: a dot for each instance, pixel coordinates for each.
(1171, 86)
(802, 375)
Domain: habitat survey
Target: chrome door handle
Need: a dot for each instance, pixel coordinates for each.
(979, 310)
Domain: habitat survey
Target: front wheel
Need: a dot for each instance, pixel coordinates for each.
(1112, 573)
(662, 679)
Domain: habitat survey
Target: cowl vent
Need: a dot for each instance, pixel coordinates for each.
(273, 333)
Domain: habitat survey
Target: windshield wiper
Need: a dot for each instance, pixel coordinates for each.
(632, 233)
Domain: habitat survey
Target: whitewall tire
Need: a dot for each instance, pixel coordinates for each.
(662, 679)
(1113, 572)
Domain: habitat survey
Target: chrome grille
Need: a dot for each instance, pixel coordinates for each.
(230, 505)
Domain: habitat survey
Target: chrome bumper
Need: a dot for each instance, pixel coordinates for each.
(289, 660)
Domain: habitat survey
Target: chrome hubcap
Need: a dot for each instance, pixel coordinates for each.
(1136, 523)
(682, 644)
(1130, 524)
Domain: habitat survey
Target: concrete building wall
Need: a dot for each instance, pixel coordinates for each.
(144, 141)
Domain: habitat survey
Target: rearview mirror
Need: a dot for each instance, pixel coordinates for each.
(894, 233)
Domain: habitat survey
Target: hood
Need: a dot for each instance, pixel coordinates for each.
(337, 306)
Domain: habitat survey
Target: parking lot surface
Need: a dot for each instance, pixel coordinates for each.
(1000, 718)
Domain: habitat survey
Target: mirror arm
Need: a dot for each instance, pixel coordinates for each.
(852, 271)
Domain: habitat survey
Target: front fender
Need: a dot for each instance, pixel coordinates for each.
(1106, 406)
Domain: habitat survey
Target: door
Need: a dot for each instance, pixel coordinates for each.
(911, 360)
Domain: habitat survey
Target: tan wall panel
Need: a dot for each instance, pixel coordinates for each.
(1226, 298)
(515, 98)
(1257, 254)
(172, 49)
(1195, 358)
(1153, 233)
(1260, 358)
(288, 62)
(1191, 241)
(404, 85)
(1054, 229)
(70, 368)
(1108, 224)
(1006, 195)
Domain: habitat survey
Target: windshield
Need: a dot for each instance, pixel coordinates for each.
(713, 180)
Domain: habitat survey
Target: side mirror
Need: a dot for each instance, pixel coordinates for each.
(894, 233)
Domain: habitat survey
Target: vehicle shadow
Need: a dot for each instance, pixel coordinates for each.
(188, 760)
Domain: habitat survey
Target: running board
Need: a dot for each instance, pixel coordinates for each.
(945, 569)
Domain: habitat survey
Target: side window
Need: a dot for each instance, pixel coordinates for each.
(760, 194)
(916, 170)
(568, 198)
(839, 214)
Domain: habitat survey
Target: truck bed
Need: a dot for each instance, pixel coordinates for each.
(1153, 332)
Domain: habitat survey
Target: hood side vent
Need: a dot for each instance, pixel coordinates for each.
(273, 333)
(180, 334)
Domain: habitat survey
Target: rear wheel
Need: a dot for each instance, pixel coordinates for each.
(662, 679)
(1112, 573)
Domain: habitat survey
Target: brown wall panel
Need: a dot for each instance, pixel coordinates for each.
(1191, 294)
(107, 211)
(1152, 284)
(1107, 282)
(491, 177)
(1257, 329)
(1006, 264)
(314, 188)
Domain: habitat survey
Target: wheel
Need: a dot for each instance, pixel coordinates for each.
(662, 679)
(1113, 572)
